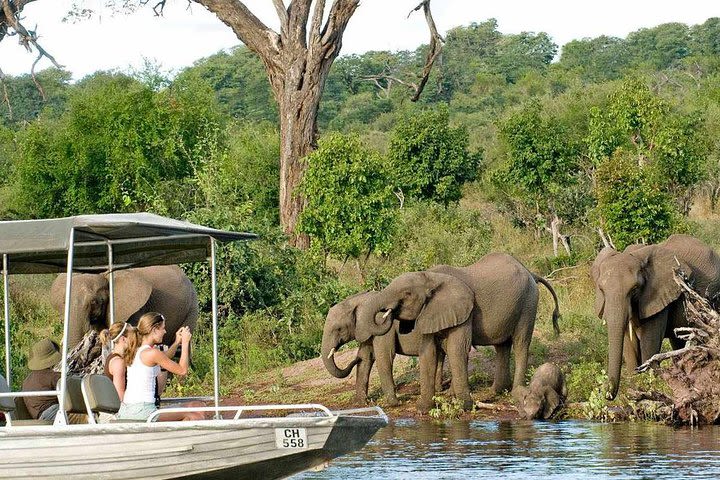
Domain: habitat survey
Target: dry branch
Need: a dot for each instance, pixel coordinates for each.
(436, 44)
(693, 372)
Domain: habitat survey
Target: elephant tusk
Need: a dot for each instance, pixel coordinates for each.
(386, 314)
(332, 352)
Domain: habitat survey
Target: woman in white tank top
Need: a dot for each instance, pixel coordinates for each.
(139, 400)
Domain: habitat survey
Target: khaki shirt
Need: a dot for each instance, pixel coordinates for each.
(37, 381)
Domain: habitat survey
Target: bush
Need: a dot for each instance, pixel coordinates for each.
(430, 158)
(632, 208)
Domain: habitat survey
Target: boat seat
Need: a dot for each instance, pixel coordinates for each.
(20, 416)
(100, 395)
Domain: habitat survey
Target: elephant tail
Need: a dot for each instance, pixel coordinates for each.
(556, 312)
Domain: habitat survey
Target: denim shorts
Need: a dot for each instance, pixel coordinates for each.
(136, 411)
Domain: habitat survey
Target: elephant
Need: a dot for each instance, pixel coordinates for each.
(165, 289)
(339, 329)
(495, 300)
(636, 295)
(545, 394)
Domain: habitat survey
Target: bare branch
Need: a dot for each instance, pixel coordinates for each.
(282, 14)
(6, 98)
(250, 30)
(436, 44)
(317, 18)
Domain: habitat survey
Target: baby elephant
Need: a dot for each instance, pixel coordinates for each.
(545, 394)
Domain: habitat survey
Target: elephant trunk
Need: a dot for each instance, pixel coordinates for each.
(617, 322)
(374, 319)
(327, 352)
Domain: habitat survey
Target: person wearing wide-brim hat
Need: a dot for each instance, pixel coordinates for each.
(44, 354)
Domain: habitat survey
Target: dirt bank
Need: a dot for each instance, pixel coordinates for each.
(309, 382)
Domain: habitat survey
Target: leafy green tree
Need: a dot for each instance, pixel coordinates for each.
(660, 47)
(431, 159)
(522, 53)
(632, 208)
(239, 82)
(114, 147)
(351, 205)
(667, 143)
(541, 167)
(26, 100)
(596, 59)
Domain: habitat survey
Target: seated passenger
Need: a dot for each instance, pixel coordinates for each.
(43, 356)
(144, 368)
(121, 337)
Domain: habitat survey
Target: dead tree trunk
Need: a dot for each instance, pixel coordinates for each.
(693, 372)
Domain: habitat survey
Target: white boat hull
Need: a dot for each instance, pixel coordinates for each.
(211, 449)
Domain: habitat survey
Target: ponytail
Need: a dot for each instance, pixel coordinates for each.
(117, 330)
(145, 326)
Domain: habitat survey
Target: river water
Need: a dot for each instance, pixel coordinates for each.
(411, 449)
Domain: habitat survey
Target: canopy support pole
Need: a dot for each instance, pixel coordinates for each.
(111, 282)
(216, 369)
(61, 417)
(6, 300)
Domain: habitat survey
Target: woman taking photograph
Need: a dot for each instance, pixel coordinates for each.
(144, 367)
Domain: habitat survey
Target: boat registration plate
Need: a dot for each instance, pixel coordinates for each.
(295, 438)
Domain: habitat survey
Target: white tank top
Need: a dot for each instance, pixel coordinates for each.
(140, 386)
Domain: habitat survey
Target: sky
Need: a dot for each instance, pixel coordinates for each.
(184, 35)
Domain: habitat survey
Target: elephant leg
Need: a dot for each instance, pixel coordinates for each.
(502, 367)
(384, 348)
(362, 373)
(631, 351)
(439, 372)
(651, 333)
(428, 367)
(458, 347)
(521, 349)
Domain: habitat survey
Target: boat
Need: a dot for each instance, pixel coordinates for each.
(245, 441)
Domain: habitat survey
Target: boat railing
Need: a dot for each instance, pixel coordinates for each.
(239, 410)
(361, 411)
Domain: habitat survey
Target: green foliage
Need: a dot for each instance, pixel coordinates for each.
(430, 158)
(446, 409)
(429, 234)
(350, 202)
(239, 82)
(632, 207)
(27, 100)
(113, 148)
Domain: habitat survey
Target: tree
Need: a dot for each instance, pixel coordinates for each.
(666, 143)
(541, 166)
(119, 146)
(11, 23)
(351, 205)
(630, 206)
(429, 158)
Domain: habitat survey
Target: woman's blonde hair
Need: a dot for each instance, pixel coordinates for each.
(117, 330)
(145, 326)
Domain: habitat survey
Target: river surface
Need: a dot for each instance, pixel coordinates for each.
(411, 449)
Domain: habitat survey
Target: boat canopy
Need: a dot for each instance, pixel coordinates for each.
(137, 239)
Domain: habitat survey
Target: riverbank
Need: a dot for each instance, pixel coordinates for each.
(309, 382)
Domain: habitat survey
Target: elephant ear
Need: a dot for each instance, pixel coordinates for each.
(604, 254)
(57, 292)
(448, 303)
(132, 292)
(551, 403)
(660, 288)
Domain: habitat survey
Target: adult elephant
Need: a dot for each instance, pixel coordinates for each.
(635, 293)
(165, 289)
(339, 329)
(500, 297)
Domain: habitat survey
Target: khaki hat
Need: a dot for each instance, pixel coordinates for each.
(44, 354)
